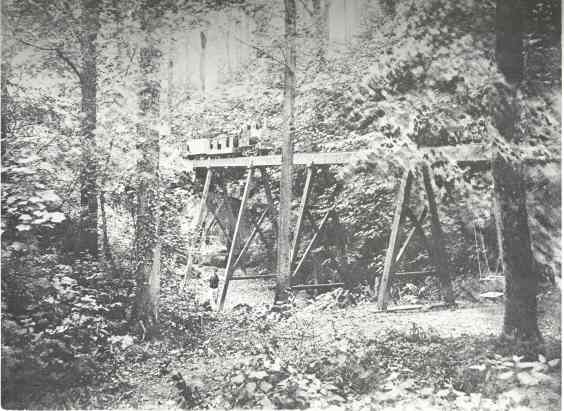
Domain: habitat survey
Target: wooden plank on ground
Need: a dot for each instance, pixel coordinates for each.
(411, 307)
(316, 286)
(400, 207)
(228, 267)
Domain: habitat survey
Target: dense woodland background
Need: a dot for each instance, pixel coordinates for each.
(99, 98)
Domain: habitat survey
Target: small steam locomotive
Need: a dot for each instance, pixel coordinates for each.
(247, 141)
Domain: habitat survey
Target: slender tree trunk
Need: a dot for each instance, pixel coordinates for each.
(287, 153)
(88, 236)
(203, 44)
(320, 15)
(170, 80)
(4, 109)
(147, 244)
(521, 282)
(105, 239)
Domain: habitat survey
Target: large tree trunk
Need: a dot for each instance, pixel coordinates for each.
(4, 109)
(203, 44)
(147, 240)
(88, 235)
(283, 260)
(521, 282)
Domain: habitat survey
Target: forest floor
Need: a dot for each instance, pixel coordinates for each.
(348, 358)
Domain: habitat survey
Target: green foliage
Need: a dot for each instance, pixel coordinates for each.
(58, 320)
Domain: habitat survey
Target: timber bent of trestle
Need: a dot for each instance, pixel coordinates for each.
(474, 155)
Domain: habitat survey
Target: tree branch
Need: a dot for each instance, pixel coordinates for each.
(267, 54)
(70, 63)
(59, 53)
(310, 12)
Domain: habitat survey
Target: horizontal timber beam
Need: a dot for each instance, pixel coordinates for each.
(254, 277)
(414, 273)
(276, 159)
(463, 154)
(314, 286)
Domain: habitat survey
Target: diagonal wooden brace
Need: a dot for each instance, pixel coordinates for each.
(416, 224)
(250, 239)
(199, 219)
(401, 205)
(312, 241)
(438, 243)
(231, 256)
(303, 207)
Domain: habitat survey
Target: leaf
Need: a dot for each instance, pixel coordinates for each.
(50, 196)
(505, 375)
(17, 246)
(251, 387)
(542, 358)
(554, 363)
(426, 391)
(265, 386)
(259, 375)
(267, 404)
(57, 217)
(517, 358)
(11, 200)
(238, 379)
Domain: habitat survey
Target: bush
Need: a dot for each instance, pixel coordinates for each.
(56, 322)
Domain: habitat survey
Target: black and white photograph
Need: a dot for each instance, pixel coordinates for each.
(281, 204)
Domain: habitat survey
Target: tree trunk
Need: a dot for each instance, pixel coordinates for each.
(88, 235)
(105, 240)
(147, 240)
(521, 282)
(4, 109)
(320, 15)
(287, 153)
(203, 44)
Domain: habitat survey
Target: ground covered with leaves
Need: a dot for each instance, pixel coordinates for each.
(300, 356)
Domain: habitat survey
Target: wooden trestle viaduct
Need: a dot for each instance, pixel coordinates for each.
(472, 154)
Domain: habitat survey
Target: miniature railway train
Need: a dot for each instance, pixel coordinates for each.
(223, 144)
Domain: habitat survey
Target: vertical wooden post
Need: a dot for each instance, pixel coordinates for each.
(401, 206)
(303, 207)
(199, 219)
(229, 267)
(438, 244)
